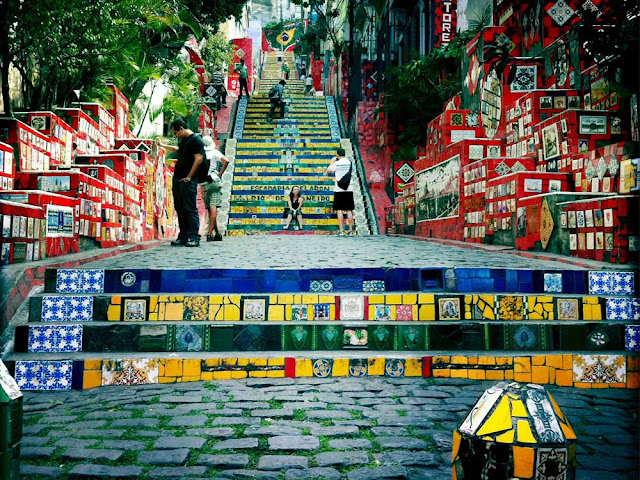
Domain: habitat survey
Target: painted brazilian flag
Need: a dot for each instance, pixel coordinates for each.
(285, 36)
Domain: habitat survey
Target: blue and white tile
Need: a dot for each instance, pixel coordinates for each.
(320, 286)
(611, 283)
(553, 283)
(74, 280)
(53, 309)
(67, 308)
(55, 339)
(321, 311)
(373, 286)
(622, 309)
(44, 374)
(632, 338)
(382, 312)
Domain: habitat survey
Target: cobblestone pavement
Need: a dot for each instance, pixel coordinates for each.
(293, 429)
(323, 251)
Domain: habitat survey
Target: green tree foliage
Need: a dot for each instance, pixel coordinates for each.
(59, 46)
(415, 93)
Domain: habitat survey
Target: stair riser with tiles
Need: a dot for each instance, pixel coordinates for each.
(102, 327)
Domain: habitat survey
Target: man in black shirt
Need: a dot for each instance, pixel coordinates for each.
(184, 185)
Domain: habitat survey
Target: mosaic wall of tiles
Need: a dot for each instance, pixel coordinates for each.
(383, 336)
(374, 306)
(461, 280)
(583, 371)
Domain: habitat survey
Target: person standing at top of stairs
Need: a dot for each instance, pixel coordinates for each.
(243, 73)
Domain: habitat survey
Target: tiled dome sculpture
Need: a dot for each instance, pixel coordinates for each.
(514, 431)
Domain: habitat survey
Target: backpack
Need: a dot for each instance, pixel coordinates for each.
(274, 93)
(202, 174)
(344, 182)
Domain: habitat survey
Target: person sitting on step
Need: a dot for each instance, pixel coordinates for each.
(294, 208)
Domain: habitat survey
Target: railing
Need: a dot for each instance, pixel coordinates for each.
(369, 207)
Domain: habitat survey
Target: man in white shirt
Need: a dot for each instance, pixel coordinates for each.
(342, 190)
(212, 191)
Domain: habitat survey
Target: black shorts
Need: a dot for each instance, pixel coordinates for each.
(343, 201)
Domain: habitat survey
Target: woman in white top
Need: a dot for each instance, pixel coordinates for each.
(212, 191)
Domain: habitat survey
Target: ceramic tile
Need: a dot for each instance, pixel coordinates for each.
(55, 338)
(79, 281)
(321, 286)
(382, 312)
(358, 367)
(598, 339)
(299, 313)
(373, 286)
(129, 372)
(551, 460)
(189, 338)
(502, 169)
(394, 367)
(599, 368)
(553, 282)
(321, 311)
(567, 309)
(352, 307)
(404, 313)
(63, 308)
(331, 337)
(135, 310)
(525, 78)
(449, 309)
(611, 283)
(561, 12)
(511, 307)
(355, 337)
(44, 374)
(632, 338)
(254, 309)
(623, 309)
(322, 368)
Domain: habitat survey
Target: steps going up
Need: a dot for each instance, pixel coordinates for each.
(269, 158)
(103, 327)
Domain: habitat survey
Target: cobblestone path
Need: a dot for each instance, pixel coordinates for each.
(293, 429)
(325, 251)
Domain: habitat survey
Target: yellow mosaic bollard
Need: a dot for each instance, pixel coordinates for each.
(514, 432)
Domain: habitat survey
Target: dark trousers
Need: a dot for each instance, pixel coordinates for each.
(185, 195)
(243, 84)
(275, 103)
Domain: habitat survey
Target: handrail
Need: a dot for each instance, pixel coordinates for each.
(369, 206)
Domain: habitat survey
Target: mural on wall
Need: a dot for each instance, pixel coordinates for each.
(437, 191)
(369, 80)
(285, 36)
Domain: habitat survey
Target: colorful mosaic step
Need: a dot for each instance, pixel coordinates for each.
(428, 279)
(348, 306)
(577, 370)
(268, 337)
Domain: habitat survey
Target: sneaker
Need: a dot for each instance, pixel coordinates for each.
(352, 233)
(217, 238)
(209, 238)
(342, 234)
(178, 242)
(285, 228)
(192, 243)
(296, 228)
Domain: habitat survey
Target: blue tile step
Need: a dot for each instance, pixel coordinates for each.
(433, 279)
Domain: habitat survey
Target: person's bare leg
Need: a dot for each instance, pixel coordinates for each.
(286, 227)
(299, 217)
(340, 221)
(350, 220)
(213, 219)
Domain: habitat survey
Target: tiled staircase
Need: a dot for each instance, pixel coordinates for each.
(271, 157)
(102, 327)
